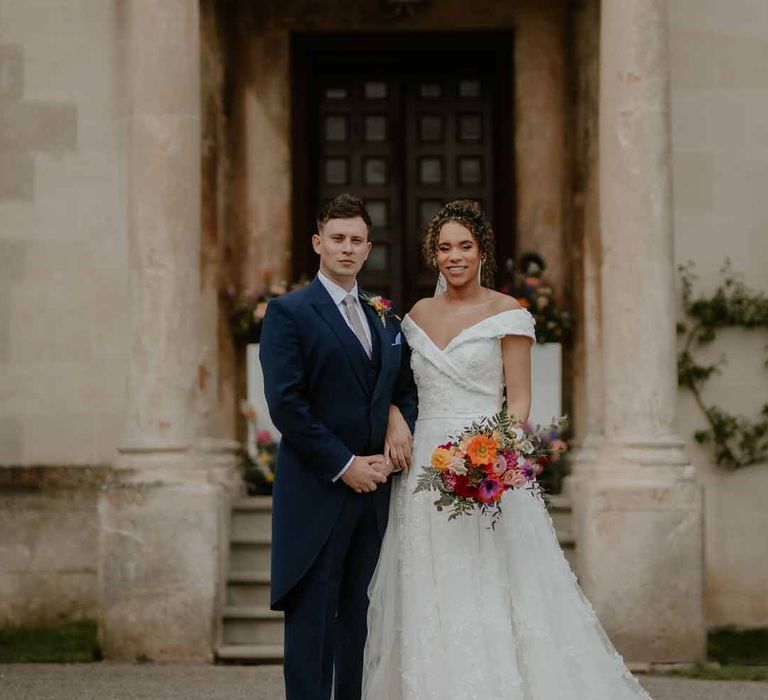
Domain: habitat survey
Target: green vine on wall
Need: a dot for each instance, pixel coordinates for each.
(737, 441)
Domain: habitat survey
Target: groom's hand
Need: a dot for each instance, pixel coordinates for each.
(365, 474)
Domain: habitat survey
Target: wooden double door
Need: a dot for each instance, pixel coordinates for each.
(407, 132)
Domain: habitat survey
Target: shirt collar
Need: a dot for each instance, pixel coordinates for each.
(337, 293)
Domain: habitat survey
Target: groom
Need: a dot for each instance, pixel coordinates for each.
(334, 369)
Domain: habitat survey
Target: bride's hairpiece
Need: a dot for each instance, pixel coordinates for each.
(467, 213)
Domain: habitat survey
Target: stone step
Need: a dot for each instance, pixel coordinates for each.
(248, 588)
(249, 553)
(250, 653)
(250, 624)
(254, 634)
(252, 516)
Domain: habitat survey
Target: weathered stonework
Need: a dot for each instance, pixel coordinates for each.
(163, 545)
(163, 514)
(50, 532)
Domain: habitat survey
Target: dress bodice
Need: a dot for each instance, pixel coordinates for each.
(466, 378)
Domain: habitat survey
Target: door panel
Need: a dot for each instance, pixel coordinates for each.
(407, 125)
(359, 121)
(448, 156)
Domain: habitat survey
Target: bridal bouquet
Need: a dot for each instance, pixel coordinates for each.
(473, 470)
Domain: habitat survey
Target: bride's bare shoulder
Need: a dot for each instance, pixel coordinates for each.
(502, 302)
(421, 309)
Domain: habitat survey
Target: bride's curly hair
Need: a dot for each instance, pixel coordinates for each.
(467, 213)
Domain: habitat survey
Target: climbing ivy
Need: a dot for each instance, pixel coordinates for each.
(736, 440)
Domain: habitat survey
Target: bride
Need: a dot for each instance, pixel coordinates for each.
(458, 610)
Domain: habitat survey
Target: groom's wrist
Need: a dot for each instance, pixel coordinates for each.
(343, 469)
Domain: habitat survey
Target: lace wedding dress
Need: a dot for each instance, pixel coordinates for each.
(460, 611)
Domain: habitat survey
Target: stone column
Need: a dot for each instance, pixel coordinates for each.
(641, 556)
(587, 401)
(540, 152)
(162, 512)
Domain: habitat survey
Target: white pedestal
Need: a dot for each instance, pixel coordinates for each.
(257, 399)
(546, 382)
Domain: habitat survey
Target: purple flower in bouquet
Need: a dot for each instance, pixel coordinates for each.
(528, 470)
(489, 490)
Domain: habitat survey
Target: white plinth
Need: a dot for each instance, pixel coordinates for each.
(546, 382)
(257, 399)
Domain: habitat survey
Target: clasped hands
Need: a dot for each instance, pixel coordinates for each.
(366, 473)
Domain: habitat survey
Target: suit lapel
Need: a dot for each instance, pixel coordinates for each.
(329, 312)
(385, 351)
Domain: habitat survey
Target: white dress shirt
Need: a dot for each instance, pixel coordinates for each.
(338, 294)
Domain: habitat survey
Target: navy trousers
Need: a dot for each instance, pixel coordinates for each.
(326, 613)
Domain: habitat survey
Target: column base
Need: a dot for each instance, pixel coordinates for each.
(164, 537)
(640, 549)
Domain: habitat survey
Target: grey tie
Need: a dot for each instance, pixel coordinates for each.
(349, 302)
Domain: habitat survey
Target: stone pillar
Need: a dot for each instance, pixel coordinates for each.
(641, 555)
(540, 112)
(162, 513)
(588, 400)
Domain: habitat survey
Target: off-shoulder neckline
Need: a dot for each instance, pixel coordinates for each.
(462, 331)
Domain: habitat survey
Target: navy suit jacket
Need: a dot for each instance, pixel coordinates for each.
(321, 399)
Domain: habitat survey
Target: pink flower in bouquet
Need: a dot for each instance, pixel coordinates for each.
(511, 458)
(263, 437)
(514, 478)
(500, 465)
(489, 490)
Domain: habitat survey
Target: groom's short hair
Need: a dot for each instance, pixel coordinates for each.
(343, 206)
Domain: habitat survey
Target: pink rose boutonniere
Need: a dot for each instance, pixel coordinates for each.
(382, 306)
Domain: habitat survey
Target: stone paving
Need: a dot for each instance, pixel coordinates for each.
(110, 681)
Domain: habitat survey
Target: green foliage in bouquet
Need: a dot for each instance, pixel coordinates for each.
(736, 440)
(527, 284)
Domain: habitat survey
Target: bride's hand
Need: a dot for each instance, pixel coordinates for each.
(398, 443)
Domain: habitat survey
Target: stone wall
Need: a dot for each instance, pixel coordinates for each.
(720, 141)
(50, 529)
(63, 325)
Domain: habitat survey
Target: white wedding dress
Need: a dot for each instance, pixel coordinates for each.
(459, 611)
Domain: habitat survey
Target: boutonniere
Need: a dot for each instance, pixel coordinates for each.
(382, 306)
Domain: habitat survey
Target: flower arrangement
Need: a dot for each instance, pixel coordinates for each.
(382, 306)
(248, 309)
(258, 462)
(553, 323)
(472, 471)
